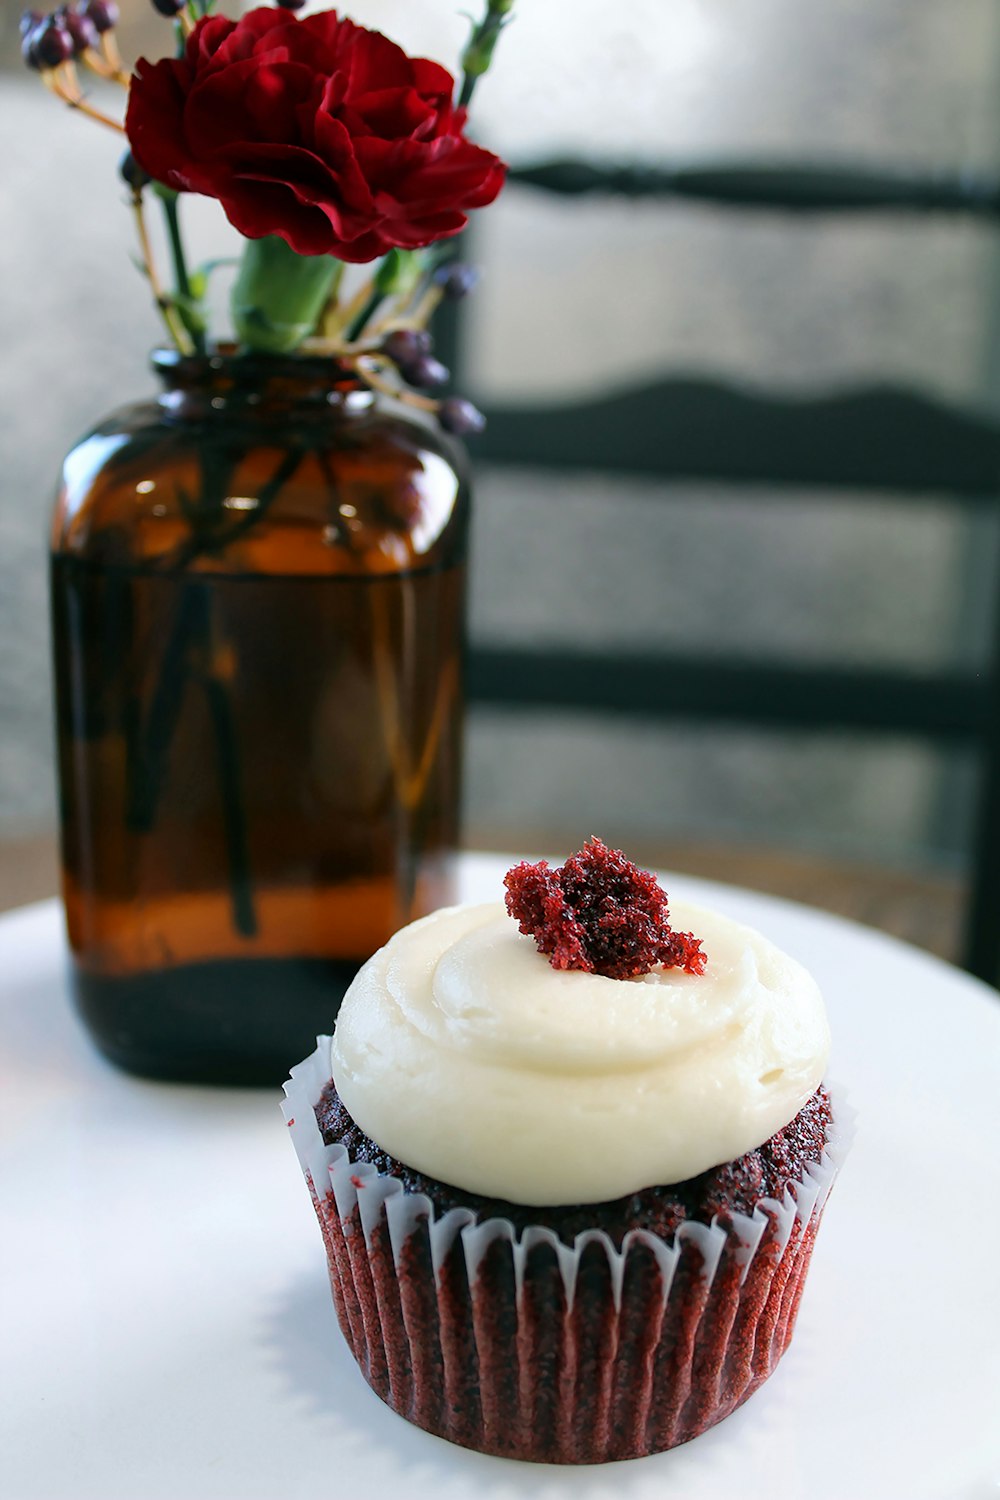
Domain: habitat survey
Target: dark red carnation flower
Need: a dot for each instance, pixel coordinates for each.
(600, 913)
(318, 131)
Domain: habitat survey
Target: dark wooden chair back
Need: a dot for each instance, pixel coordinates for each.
(873, 438)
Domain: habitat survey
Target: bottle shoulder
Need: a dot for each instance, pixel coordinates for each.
(376, 490)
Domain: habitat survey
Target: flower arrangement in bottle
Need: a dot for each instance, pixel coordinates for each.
(258, 579)
(325, 145)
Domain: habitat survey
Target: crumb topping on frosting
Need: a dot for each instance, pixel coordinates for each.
(600, 913)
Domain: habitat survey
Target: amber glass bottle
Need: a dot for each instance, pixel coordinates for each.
(258, 599)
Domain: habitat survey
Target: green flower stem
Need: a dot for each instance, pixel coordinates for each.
(368, 311)
(478, 54)
(186, 303)
(278, 296)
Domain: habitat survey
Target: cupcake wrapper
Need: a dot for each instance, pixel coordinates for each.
(525, 1347)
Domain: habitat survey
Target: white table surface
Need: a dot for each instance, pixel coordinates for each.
(166, 1331)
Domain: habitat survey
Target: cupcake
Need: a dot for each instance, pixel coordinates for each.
(569, 1160)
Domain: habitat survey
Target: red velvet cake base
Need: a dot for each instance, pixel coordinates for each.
(553, 1354)
(537, 1379)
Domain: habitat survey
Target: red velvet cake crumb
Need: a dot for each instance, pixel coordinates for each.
(734, 1187)
(600, 913)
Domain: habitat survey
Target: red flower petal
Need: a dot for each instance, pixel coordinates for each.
(318, 130)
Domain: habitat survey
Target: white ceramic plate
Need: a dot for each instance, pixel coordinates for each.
(166, 1331)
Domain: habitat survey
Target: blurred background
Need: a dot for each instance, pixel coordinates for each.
(579, 296)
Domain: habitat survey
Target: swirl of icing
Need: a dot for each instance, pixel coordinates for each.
(462, 1052)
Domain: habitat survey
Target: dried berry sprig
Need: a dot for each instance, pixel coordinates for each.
(455, 414)
(600, 913)
(104, 14)
(73, 33)
(455, 279)
(91, 25)
(182, 13)
(405, 345)
(393, 353)
(45, 43)
(83, 31)
(459, 417)
(51, 46)
(439, 281)
(384, 326)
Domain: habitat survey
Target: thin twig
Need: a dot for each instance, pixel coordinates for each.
(400, 311)
(426, 307)
(98, 64)
(173, 323)
(77, 101)
(330, 318)
(113, 58)
(357, 302)
(370, 370)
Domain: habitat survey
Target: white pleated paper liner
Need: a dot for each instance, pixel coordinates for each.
(524, 1346)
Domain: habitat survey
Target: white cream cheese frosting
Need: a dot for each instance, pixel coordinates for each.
(462, 1052)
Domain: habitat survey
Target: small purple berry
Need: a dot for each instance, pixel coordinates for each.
(132, 174)
(407, 344)
(169, 7)
(456, 279)
(51, 44)
(29, 52)
(80, 27)
(29, 41)
(460, 417)
(426, 373)
(103, 13)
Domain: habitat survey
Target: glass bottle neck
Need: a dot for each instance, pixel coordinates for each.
(269, 385)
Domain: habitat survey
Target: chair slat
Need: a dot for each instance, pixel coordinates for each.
(944, 707)
(874, 438)
(787, 187)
